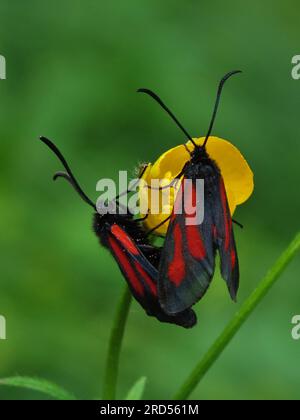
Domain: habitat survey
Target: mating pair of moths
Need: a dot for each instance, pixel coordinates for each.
(167, 281)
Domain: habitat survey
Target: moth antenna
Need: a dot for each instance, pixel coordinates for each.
(75, 186)
(164, 106)
(219, 92)
(69, 175)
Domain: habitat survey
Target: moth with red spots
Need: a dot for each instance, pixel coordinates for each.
(137, 258)
(187, 262)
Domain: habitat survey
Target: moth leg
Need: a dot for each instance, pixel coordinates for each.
(237, 223)
(158, 226)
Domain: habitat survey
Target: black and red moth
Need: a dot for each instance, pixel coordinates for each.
(187, 262)
(137, 258)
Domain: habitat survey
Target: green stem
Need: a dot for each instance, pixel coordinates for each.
(115, 344)
(234, 325)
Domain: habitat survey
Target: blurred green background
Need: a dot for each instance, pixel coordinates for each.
(72, 71)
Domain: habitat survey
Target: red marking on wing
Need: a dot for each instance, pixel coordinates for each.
(195, 242)
(214, 231)
(125, 240)
(176, 270)
(126, 266)
(233, 258)
(227, 217)
(148, 280)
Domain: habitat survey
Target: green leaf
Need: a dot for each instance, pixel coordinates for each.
(137, 390)
(237, 321)
(40, 385)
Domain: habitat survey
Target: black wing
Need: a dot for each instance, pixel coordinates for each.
(187, 262)
(142, 277)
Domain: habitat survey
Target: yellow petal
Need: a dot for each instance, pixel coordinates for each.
(237, 175)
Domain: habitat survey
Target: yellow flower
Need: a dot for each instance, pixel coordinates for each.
(237, 175)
